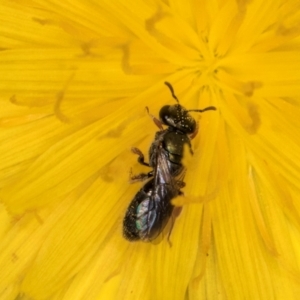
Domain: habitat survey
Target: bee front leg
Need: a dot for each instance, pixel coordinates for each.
(158, 123)
(194, 134)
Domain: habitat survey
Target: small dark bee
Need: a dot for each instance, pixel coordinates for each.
(151, 208)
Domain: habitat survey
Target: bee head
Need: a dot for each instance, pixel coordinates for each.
(178, 117)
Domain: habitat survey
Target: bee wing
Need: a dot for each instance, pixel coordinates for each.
(168, 184)
(163, 173)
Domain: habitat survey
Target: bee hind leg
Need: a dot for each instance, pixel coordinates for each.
(175, 214)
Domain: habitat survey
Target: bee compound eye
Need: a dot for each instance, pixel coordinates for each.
(164, 114)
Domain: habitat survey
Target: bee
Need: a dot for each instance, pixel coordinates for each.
(151, 208)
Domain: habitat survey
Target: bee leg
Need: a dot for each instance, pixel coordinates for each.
(141, 158)
(194, 134)
(155, 120)
(175, 214)
(140, 177)
(180, 184)
(190, 147)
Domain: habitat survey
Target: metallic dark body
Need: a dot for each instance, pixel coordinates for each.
(173, 142)
(146, 224)
(151, 208)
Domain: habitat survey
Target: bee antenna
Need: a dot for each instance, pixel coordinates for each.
(172, 91)
(204, 109)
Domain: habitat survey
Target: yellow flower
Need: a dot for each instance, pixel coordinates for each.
(75, 79)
